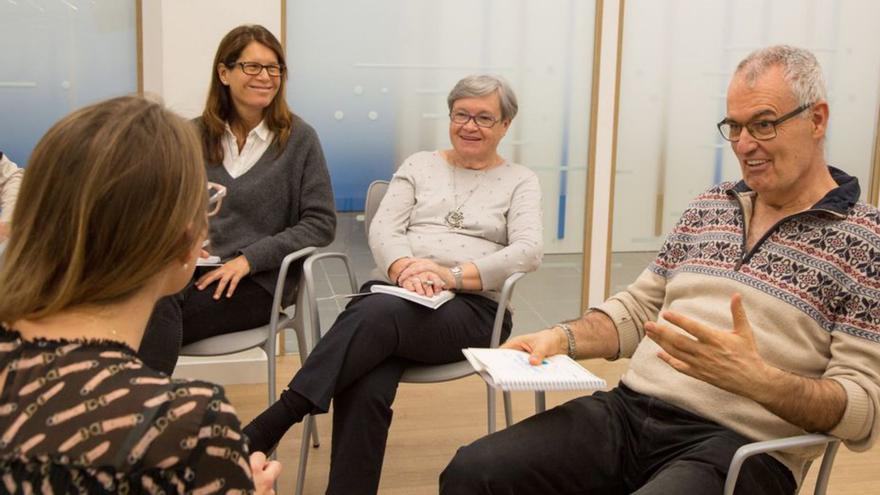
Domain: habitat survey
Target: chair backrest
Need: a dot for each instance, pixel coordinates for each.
(375, 193)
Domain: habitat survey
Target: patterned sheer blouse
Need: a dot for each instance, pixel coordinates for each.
(89, 417)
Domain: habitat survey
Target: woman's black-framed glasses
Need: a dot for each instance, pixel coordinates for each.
(254, 68)
(761, 130)
(216, 193)
(463, 118)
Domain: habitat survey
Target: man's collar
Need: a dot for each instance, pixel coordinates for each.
(838, 200)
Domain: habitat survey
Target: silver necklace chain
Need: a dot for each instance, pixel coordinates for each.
(455, 217)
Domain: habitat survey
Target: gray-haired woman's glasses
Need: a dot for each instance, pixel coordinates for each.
(761, 130)
(481, 120)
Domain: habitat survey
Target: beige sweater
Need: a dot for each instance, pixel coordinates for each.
(502, 218)
(811, 290)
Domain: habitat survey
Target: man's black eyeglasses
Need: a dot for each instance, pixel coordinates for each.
(761, 130)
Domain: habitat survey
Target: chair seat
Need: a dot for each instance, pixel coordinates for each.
(228, 343)
(437, 373)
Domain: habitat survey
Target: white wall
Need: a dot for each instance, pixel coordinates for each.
(678, 57)
(181, 37)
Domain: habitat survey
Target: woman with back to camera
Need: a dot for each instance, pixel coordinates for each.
(461, 219)
(278, 199)
(111, 217)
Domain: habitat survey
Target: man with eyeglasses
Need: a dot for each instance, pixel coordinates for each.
(761, 315)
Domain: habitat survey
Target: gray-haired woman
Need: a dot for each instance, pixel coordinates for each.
(461, 219)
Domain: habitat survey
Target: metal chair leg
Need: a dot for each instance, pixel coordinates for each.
(540, 402)
(490, 406)
(508, 409)
(304, 454)
(316, 442)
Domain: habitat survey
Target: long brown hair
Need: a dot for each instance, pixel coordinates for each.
(219, 108)
(113, 193)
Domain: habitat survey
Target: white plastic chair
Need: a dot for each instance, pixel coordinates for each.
(413, 374)
(751, 449)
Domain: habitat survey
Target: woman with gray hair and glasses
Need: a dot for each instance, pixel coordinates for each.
(460, 219)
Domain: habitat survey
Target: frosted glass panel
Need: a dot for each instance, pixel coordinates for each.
(373, 78)
(678, 56)
(57, 56)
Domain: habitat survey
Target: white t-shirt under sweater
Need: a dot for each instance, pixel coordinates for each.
(501, 228)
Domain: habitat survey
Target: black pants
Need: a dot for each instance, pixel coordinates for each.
(608, 443)
(192, 315)
(359, 364)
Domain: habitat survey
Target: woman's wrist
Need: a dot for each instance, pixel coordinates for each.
(447, 277)
(396, 269)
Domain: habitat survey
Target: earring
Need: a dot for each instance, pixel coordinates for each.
(186, 266)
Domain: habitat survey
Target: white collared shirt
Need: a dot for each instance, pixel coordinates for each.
(257, 142)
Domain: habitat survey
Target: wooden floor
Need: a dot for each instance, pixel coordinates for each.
(432, 420)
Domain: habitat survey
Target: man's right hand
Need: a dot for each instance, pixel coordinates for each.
(540, 344)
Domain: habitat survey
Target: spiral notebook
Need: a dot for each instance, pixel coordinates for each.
(509, 369)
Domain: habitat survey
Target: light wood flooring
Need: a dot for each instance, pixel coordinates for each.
(432, 420)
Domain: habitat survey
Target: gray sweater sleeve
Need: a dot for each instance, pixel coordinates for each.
(524, 234)
(387, 233)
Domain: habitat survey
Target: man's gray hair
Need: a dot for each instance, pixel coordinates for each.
(476, 86)
(800, 70)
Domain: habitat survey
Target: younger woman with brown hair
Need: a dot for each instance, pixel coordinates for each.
(113, 219)
(279, 198)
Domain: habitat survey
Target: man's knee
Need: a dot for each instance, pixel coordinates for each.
(473, 469)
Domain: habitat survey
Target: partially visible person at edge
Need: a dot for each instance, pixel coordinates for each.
(761, 315)
(112, 217)
(460, 219)
(278, 199)
(10, 178)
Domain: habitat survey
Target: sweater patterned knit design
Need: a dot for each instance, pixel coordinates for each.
(824, 267)
(810, 287)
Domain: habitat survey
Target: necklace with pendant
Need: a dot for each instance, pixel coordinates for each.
(455, 217)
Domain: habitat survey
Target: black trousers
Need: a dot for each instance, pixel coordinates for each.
(359, 363)
(609, 443)
(192, 315)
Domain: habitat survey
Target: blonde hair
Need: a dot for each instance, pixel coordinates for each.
(112, 194)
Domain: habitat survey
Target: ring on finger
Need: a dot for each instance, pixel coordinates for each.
(429, 283)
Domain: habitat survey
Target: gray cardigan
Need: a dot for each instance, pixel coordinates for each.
(282, 204)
